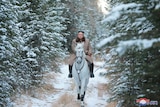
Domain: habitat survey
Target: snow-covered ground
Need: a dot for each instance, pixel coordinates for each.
(59, 91)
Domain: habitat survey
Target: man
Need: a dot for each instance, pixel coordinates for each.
(87, 49)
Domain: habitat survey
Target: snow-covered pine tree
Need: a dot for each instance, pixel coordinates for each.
(32, 34)
(43, 36)
(54, 34)
(9, 55)
(134, 34)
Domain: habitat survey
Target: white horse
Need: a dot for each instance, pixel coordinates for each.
(80, 72)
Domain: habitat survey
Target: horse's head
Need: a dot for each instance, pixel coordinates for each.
(79, 52)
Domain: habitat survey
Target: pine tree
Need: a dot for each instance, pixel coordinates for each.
(9, 54)
(133, 26)
(31, 34)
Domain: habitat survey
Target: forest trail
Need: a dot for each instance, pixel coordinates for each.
(59, 91)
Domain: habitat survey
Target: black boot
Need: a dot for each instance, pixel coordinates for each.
(91, 66)
(78, 97)
(70, 71)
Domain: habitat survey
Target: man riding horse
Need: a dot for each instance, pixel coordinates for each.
(87, 49)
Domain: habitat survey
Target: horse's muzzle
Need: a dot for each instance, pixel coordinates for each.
(79, 60)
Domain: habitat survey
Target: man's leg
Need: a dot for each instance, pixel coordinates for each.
(70, 71)
(91, 67)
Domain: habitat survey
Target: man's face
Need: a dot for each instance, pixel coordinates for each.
(80, 35)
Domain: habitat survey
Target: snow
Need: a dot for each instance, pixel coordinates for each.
(31, 54)
(3, 30)
(44, 48)
(107, 40)
(141, 43)
(143, 25)
(115, 12)
(157, 6)
(138, 22)
(145, 30)
(104, 6)
(63, 85)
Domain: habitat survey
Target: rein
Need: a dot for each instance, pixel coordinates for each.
(78, 70)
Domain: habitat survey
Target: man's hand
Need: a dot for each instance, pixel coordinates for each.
(88, 53)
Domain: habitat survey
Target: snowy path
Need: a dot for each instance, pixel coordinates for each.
(59, 91)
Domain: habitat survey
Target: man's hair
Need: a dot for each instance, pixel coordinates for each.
(80, 40)
(81, 31)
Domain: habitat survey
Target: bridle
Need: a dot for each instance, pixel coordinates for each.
(80, 62)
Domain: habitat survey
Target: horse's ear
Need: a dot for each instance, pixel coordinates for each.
(83, 43)
(76, 46)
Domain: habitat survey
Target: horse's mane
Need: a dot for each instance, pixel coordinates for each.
(80, 46)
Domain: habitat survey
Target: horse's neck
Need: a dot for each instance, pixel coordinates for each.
(79, 66)
(84, 55)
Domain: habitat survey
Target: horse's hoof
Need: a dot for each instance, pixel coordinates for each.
(92, 75)
(70, 76)
(82, 104)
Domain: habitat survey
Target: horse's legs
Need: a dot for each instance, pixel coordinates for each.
(78, 87)
(85, 88)
(82, 100)
(82, 97)
(83, 92)
(78, 96)
(78, 91)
